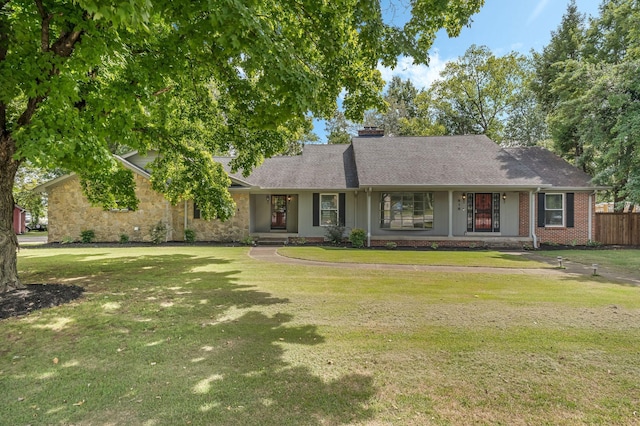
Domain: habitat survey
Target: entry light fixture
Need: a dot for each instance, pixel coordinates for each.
(268, 198)
(464, 196)
(288, 197)
(504, 196)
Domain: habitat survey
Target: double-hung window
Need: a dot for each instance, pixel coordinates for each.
(328, 209)
(554, 209)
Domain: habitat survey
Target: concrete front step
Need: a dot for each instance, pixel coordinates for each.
(271, 241)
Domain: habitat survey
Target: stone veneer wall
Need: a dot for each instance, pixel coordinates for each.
(234, 229)
(70, 213)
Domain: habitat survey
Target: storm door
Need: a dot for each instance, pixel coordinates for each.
(483, 212)
(279, 212)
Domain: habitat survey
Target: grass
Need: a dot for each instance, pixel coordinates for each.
(626, 261)
(488, 258)
(200, 335)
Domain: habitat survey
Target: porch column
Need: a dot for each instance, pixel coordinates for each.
(450, 213)
(369, 217)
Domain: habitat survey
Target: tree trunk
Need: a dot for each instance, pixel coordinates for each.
(8, 240)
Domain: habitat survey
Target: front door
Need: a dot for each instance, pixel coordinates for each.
(279, 212)
(483, 212)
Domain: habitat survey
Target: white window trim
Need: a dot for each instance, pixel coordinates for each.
(563, 209)
(337, 209)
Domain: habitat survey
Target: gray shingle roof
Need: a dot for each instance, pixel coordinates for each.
(552, 169)
(319, 167)
(439, 161)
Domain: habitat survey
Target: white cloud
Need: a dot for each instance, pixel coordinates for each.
(537, 11)
(421, 76)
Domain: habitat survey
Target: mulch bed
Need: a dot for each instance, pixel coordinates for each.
(36, 296)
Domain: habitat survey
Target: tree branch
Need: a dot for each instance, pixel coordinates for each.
(44, 26)
(63, 47)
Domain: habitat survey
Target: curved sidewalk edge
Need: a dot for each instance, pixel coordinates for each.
(270, 254)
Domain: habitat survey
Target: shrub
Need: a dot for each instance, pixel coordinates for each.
(67, 239)
(247, 241)
(357, 237)
(87, 236)
(335, 233)
(124, 238)
(190, 236)
(158, 233)
(299, 241)
(434, 245)
(391, 245)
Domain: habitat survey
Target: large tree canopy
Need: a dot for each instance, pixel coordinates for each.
(476, 93)
(588, 82)
(188, 79)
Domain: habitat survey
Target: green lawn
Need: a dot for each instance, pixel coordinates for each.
(408, 257)
(625, 260)
(202, 336)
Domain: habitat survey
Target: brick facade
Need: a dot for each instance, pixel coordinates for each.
(524, 214)
(579, 234)
(70, 213)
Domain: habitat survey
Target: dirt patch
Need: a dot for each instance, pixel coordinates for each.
(36, 296)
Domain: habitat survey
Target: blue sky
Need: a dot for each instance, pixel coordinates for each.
(502, 25)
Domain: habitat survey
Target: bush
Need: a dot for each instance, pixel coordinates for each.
(391, 245)
(299, 241)
(335, 234)
(158, 233)
(357, 237)
(124, 238)
(247, 241)
(67, 239)
(190, 236)
(87, 236)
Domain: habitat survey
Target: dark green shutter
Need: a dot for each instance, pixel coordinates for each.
(570, 210)
(541, 210)
(196, 211)
(341, 208)
(316, 209)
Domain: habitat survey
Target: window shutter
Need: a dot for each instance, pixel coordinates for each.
(316, 209)
(541, 210)
(570, 210)
(196, 211)
(341, 208)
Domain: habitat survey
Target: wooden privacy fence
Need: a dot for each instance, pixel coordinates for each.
(618, 228)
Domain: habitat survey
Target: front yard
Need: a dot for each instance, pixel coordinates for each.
(201, 336)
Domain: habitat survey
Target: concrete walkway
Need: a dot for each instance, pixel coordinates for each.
(572, 269)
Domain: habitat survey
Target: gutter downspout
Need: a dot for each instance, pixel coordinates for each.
(532, 217)
(368, 217)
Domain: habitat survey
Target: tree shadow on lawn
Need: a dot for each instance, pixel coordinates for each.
(180, 340)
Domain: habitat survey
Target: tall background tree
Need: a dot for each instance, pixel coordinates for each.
(476, 93)
(187, 79)
(588, 81)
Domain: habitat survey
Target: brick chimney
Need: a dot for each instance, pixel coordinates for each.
(371, 132)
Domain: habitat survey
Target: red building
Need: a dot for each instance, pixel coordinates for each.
(19, 219)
